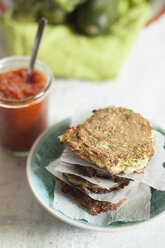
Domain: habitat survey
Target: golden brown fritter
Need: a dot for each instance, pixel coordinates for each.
(95, 207)
(116, 139)
(88, 187)
(91, 172)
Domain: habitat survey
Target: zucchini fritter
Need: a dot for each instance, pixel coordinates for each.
(88, 187)
(91, 172)
(95, 207)
(116, 139)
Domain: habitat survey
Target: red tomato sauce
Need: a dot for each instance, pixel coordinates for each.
(19, 127)
(14, 86)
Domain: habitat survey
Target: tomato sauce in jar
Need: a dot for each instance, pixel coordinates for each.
(14, 86)
(23, 108)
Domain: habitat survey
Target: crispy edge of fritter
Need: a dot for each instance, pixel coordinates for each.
(88, 187)
(92, 172)
(95, 207)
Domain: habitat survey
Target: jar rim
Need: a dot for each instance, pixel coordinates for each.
(39, 63)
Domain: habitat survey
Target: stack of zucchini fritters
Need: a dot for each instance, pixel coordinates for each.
(113, 141)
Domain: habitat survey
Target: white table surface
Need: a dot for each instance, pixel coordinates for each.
(141, 87)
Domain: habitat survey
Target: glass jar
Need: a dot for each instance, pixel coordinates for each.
(21, 121)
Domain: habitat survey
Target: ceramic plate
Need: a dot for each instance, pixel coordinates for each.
(46, 149)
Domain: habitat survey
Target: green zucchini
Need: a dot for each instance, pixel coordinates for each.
(33, 10)
(96, 16)
(53, 13)
(69, 5)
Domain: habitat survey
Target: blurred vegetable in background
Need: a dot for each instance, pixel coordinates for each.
(70, 5)
(96, 16)
(32, 10)
(26, 10)
(53, 13)
(90, 17)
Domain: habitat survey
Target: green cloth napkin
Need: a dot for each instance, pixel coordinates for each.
(73, 55)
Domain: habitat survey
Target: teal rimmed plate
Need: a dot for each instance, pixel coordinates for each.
(47, 148)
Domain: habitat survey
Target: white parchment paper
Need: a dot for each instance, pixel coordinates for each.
(136, 207)
(70, 157)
